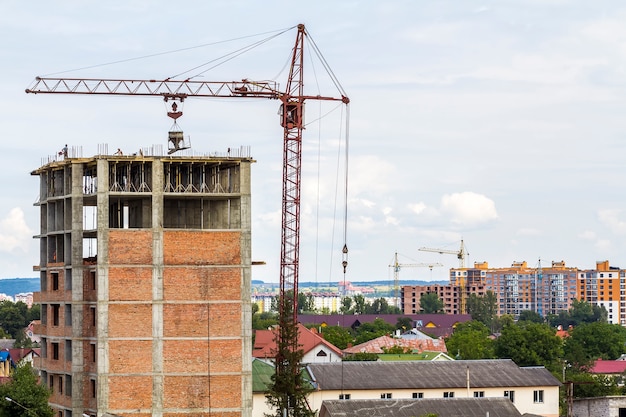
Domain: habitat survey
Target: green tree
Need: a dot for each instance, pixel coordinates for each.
(528, 344)
(346, 306)
(396, 350)
(499, 323)
(359, 304)
(23, 389)
(589, 341)
(263, 320)
(369, 331)
(33, 313)
(430, 303)
(587, 385)
(288, 390)
(13, 316)
(470, 340)
(381, 306)
(306, 303)
(338, 336)
(529, 315)
(404, 323)
(484, 308)
(580, 312)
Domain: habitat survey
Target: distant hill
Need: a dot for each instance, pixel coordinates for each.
(12, 286)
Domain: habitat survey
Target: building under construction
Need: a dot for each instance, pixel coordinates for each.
(145, 284)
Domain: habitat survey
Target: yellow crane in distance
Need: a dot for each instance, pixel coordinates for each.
(396, 275)
(461, 254)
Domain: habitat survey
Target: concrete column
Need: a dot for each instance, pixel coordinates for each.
(246, 283)
(78, 305)
(157, 288)
(102, 277)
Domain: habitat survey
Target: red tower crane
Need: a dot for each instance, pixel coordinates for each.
(291, 119)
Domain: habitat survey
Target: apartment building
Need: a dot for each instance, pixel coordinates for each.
(145, 284)
(545, 289)
(605, 286)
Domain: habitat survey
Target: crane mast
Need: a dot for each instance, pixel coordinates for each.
(292, 122)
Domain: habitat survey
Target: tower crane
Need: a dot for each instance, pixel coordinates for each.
(461, 254)
(396, 275)
(291, 120)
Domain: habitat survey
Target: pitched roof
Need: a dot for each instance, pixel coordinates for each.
(428, 375)
(608, 367)
(449, 407)
(419, 345)
(349, 320)
(424, 356)
(19, 353)
(261, 375)
(265, 343)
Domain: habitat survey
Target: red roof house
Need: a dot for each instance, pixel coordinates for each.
(316, 349)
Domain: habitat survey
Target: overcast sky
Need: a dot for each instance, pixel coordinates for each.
(501, 123)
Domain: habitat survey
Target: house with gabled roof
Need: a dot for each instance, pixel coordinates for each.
(608, 367)
(531, 389)
(316, 349)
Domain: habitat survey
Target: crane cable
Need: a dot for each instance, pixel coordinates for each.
(121, 61)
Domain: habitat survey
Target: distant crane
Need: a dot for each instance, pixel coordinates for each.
(461, 254)
(396, 275)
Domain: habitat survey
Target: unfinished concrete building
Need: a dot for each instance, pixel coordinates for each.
(145, 284)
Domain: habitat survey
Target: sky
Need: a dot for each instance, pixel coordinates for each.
(499, 123)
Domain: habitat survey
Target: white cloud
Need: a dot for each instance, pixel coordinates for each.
(528, 232)
(417, 208)
(587, 235)
(468, 208)
(14, 232)
(611, 219)
(603, 245)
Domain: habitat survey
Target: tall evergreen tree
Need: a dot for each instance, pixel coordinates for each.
(289, 389)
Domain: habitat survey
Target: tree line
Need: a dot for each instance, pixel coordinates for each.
(14, 318)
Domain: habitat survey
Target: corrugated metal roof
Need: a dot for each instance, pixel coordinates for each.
(428, 375)
(449, 407)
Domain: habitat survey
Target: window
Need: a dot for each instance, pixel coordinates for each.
(418, 395)
(479, 394)
(93, 316)
(51, 383)
(344, 396)
(55, 314)
(93, 352)
(321, 353)
(538, 396)
(92, 280)
(68, 350)
(55, 281)
(68, 385)
(385, 395)
(44, 347)
(55, 351)
(68, 315)
(44, 314)
(93, 388)
(60, 384)
(510, 395)
(448, 394)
